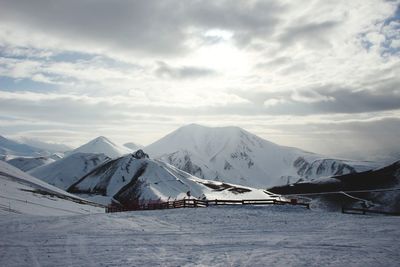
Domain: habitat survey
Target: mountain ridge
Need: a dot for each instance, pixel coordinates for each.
(237, 156)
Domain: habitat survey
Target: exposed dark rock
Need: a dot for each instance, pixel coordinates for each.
(140, 155)
(227, 166)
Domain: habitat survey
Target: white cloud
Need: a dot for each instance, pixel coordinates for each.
(310, 96)
(148, 63)
(273, 102)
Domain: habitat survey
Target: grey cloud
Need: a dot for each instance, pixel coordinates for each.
(311, 34)
(248, 20)
(348, 100)
(185, 72)
(327, 99)
(278, 61)
(356, 139)
(80, 116)
(144, 25)
(156, 27)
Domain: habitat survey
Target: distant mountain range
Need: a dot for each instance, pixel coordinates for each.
(10, 147)
(26, 147)
(225, 154)
(49, 147)
(195, 161)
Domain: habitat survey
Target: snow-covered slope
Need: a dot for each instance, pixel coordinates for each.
(27, 163)
(234, 155)
(24, 194)
(136, 176)
(66, 171)
(102, 145)
(12, 148)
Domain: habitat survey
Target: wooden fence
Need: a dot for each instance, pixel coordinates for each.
(196, 203)
(367, 211)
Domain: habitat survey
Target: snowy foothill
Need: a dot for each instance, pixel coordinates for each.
(21, 193)
(66, 171)
(217, 236)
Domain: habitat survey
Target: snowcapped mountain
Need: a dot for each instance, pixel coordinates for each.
(133, 146)
(23, 194)
(10, 148)
(27, 163)
(135, 176)
(102, 145)
(66, 171)
(234, 155)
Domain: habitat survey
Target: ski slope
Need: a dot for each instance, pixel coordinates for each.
(21, 193)
(218, 236)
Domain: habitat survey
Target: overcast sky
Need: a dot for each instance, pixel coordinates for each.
(319, 75)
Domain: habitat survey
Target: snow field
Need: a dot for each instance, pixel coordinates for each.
(218, 236)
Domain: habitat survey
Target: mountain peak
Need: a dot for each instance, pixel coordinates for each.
(103, 145)
(102, 139)
(195, 126)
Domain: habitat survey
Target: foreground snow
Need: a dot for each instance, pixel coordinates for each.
(218, 236)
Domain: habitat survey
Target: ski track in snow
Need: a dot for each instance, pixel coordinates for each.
(217, 236)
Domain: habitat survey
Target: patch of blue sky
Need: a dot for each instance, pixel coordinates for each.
(68, 56)
(23, 53)
(5, 53)
(395, 17)
(386, 45)
(23, 84)
(365, 42)
(100, 60)
(115, 63)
